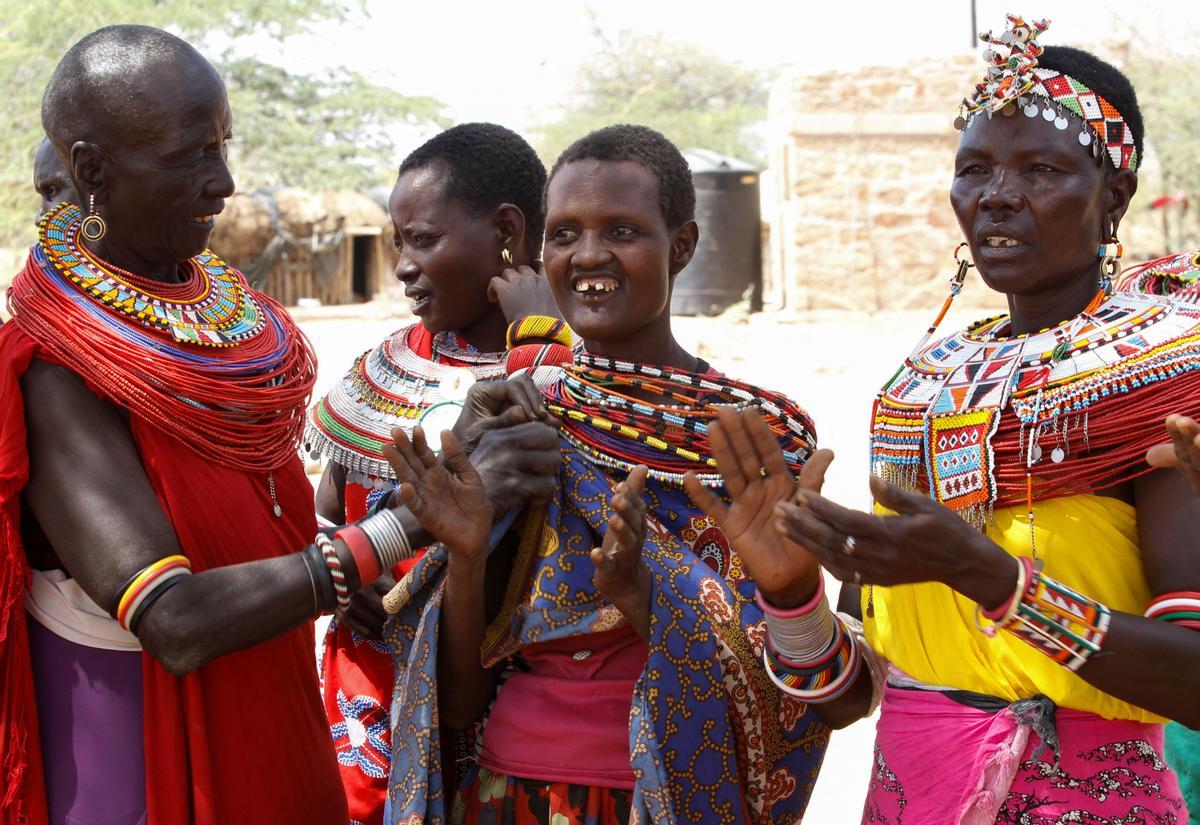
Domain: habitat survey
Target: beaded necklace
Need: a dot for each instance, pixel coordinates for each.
(210, 306)
(238, 402)
(600, 415)
(1085, 401)
(388, 387)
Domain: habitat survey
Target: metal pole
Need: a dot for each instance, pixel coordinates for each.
(974, 29)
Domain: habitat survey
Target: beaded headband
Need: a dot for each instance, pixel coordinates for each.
(1014, 81)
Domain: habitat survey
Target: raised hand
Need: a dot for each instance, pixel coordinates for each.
(621, 574)
(446, 496)
(758, 481)
(923, 541)
(522, 291)
(1182, 452)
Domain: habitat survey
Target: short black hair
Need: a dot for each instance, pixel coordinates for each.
(643, 145)
(487, 165)
(1102, 78)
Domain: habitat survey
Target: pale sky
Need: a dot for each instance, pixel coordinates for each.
(512, 62)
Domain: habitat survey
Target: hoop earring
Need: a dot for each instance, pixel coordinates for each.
(1110, 262)
(506, 256)
(93, 227)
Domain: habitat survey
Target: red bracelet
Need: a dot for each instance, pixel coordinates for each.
(363, 553)
(795, 612)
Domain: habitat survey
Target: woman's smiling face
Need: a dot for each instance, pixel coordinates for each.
(610, 256)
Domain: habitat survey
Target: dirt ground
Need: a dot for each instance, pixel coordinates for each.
(831, 363)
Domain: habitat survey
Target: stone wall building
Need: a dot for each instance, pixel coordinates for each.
(857, 189)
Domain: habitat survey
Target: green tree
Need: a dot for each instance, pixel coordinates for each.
(316, 130)
(1166, 74)
(692, 96)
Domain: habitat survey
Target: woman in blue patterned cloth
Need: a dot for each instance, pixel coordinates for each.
(610, 681)
(1030, 584)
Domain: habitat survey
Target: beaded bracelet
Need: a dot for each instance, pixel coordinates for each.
(145, 582)
(363, 553)
(334, 565)
(388, 537)
(1181, 607)
(1061, 623)
(827, 683)
(1005, 613)
(539, 327)
(379, 498)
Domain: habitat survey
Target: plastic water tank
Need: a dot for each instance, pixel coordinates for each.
(728, 259)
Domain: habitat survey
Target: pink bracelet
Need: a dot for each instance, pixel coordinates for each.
(795, 612)
(363, 552)
(1024, 572)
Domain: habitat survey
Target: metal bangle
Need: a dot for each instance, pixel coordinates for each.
(388, 537)
(319, 575)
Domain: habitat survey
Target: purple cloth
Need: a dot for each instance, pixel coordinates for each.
(90, 714)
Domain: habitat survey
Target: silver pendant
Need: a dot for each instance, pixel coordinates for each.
(278, 511)
(1058, 455)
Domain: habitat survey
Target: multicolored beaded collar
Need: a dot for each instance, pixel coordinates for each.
(1014, 81)
(209, 307)
(1086, 399)
(619, 414)
(388, 387)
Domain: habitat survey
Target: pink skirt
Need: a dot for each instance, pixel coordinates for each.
(940, 761)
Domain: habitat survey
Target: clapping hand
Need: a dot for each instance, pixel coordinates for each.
(759, 481)
(621, 574)
(446, 496)
(1182, 452)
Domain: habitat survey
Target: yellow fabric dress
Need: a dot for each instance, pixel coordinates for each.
(928, 631)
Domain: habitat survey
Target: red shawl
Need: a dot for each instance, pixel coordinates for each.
(241, 739)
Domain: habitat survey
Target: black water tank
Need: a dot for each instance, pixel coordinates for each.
(728, 259)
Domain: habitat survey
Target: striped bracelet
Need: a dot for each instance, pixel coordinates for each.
(1181, 607)
(334, 565)
(143, 588)
(388, 537)
(540, 328)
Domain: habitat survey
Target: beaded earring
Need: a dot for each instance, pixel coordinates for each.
(1110, 262)
(93, 227)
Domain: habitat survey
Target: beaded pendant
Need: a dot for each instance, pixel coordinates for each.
(211, 308)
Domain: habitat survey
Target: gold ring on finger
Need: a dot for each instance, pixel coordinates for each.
(848, 545)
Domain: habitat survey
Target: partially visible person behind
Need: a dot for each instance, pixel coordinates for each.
(613, 658)
(160, 565)
(467, 215)
(1020, 578)
(51, 180)
(1174, 275)
(1182, 453)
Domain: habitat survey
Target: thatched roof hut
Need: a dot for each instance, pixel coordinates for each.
(334, 247)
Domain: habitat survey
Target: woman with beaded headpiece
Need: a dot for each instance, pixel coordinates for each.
(467, 215)
(1030, 581)
(610, 656)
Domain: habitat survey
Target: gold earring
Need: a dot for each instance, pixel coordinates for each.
(93, 227)
(506, 256)
(1110, 262)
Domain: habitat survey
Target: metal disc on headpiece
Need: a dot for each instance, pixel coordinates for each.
(1009, 110)
(453, 384)
(1060, 123)
(960, 123)
(436, 419)
(1031, 110)
(1047, 114)
(1085, 138)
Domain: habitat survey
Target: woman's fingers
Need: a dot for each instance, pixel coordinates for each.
(421, 448)
(812, 533)
(845, 521)
(812, 474)
(722, 452)
(403, 458)
(767, 454)
(740, 444)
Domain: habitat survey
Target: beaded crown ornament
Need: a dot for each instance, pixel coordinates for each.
(1015, 82)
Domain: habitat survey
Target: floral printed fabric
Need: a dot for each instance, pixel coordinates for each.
(934, 759)
(495, 799)
(711, 738)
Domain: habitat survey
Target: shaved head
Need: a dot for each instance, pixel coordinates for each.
(117, 81)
